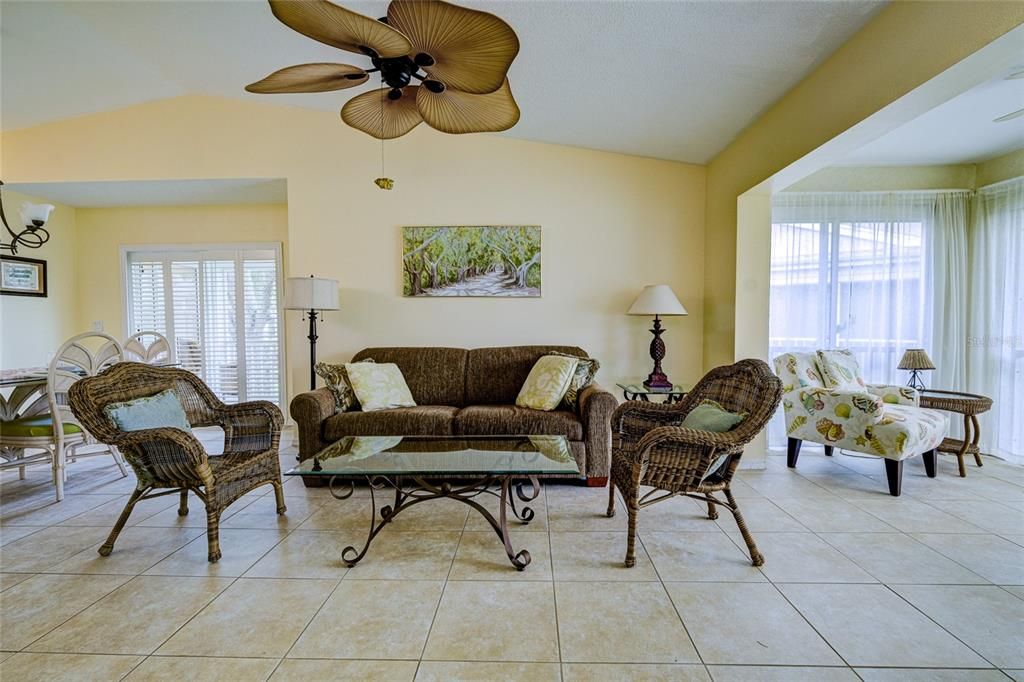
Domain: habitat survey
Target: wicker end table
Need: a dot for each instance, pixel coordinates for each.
(970, 406)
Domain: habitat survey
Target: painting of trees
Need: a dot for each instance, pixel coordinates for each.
(471, 261)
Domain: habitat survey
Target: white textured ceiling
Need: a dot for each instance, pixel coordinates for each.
(158, 192)
(961, 130)
(667, 79)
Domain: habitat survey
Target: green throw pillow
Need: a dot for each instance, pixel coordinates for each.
(337, 383)
(547, 382)
(709, 415)
(586, 370)
(152, 412)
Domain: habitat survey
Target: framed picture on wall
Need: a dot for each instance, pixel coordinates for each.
(479, 260)
(22, 276)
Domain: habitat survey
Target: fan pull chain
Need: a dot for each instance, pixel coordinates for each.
(383, 181)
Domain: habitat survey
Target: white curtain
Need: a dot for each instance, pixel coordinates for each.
(946, 284)
(995, 344)
(861, 270)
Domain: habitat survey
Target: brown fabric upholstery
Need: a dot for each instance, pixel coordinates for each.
(495, 375)
(424, 420)
(500, 420)
(436, 376)
(484, 382)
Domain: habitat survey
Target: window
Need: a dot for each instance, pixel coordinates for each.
(220, 310)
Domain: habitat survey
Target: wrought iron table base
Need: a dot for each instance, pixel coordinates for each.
(466, 493)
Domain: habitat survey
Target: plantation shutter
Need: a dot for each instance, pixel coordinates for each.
(220, 310)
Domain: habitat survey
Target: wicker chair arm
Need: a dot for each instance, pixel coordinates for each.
(165, 455)
(250, 427)
(669, 436)
(635, 417)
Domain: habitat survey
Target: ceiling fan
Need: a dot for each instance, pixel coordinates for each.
(458, 56)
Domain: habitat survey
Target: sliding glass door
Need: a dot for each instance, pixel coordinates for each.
(219, 308)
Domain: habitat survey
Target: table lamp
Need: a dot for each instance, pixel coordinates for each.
(917, 361)
(312, 295)
(658, 300)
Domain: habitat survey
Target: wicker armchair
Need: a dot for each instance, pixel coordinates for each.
(650, 448)
(172, 458)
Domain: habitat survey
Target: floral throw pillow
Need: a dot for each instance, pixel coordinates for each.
(336, 379)
(547, 382)
(586, 370)
(379, 385)
(840, 369)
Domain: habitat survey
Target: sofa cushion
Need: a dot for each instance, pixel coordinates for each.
(423, 420)
(504, 420)
(547, 382)
(378, 385)
(435, 376)
(495, 375)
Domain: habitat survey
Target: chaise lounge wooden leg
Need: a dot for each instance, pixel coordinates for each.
(894, 474)
(792, 451)
(611, 500)
(279, 496)
(929, 462)
(828, 450)
(756, 558)
(213, 536)
(107, 547)
(183, 507)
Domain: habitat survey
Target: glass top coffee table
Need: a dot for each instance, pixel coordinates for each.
(421, 468)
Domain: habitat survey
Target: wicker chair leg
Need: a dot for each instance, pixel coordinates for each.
(611, 498)
(183, 507)
(213, 535)
(712, 511)
(279, 496)
(107, 547)
(634, 511)
(756, 558)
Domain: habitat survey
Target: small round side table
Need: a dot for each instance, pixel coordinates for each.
(637, 391)
(970, 406)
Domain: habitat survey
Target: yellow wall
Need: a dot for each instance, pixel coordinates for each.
(611, 223)
(906, 44)
(1001, 168)
(102, 232)
(31, 329)
(887, 178)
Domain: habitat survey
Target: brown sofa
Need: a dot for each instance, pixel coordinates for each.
(461, 392)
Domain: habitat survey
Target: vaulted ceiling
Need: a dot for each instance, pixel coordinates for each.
(673, 80)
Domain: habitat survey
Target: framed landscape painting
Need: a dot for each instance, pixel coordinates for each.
(22, 276)
(488, 260)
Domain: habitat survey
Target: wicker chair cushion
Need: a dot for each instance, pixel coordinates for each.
(709, 415)
(34, 427)
(423, 420)
(502, 420)
(162, 410)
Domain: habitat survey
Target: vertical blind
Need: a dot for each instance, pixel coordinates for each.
(220, 311)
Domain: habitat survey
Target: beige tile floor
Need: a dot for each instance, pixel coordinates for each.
(857, 585)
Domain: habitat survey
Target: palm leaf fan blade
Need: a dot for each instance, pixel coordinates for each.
(384, 118)
(339, 27)
(471, 50)
(455, 112)
(320, 77)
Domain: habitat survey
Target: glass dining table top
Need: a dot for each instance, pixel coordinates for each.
(448, 456)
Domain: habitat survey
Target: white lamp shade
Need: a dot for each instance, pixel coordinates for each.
(311, 293)
(657, 299)
(35, 213)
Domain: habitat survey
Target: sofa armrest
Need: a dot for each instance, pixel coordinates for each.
(596, 406)
(895, 395)
(310, 410)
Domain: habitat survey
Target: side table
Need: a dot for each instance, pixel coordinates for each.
(637, 391)
(970, 406)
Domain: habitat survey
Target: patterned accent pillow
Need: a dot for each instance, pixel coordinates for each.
(337, 382)
(586, 370)
(840, 369)
(379, 386)
(547, 382)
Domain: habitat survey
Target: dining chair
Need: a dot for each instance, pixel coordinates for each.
(151, 348)
(38, 417)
